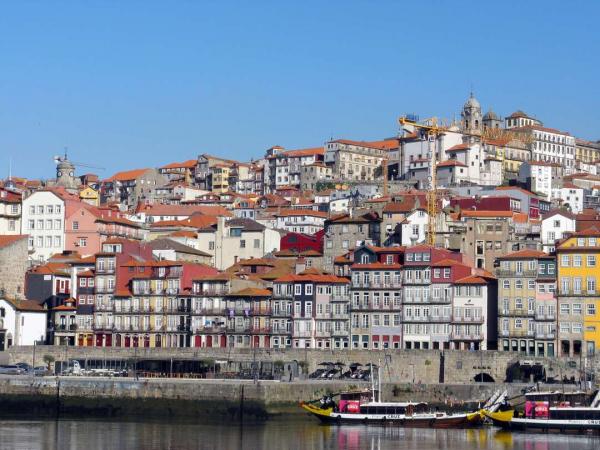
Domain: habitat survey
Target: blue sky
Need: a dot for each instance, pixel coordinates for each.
(143, 83)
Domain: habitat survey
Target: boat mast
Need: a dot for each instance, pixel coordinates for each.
(379, 379)
(373, 383)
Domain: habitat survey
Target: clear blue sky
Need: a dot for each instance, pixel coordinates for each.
(127, 84)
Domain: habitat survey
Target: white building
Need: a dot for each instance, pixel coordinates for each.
(470, 314)
(231, 240)
(43, 219)
(10, 212)
(413, 148)
(414, 227)
(550, 145)
(300, 220)
(569, 196)
(554, 226)
(541, 177)
(22, 322)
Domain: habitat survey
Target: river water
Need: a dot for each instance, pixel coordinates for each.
(295, 433)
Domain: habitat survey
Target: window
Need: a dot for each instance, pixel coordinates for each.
(211, 245)
(531, 284)
(576, 260)
(309, 289)
(447, 273)
(57, 209)
(518, 324)
(297, 289)
(235, 232)
(564, 261)
(565, 308)
(591, 285)
(506, 284)
(591, 261)
(577, 309)
(256, 243)
(591, 309)
(83, 242)
(345, 244)
(40, 209)
(518, 284)
(242, 243)
(75, 225)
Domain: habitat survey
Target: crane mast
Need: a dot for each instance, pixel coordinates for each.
(430, 131)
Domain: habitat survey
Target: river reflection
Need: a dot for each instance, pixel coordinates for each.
(277, 434)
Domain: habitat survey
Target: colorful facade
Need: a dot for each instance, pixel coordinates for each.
(578, 257)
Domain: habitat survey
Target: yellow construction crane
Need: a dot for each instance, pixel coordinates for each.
(430, 130)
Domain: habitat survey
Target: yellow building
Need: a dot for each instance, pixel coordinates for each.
(89, 195)
(220, 178)
(578, 296)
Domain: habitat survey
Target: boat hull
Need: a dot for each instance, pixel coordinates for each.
(329, 416)
(507, 421)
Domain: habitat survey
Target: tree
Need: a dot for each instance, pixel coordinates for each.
(49, 359)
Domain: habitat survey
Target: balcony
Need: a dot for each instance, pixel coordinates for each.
(471, 319)
(104, 290)
(104, 307)
(429, 318)
(281, 330)
(516, 313)
(463, 336)
(281, 313)
(140, 291)
(341, 332)
(302, 334)
(439, 300)
(340, 298)
(239, 329)
(210, 329)
(65, 328)
(322, 334)
(517, 333)
(549, 317)
(210, 311)
(419, 281)
(513, 273)
(261, 330)
(260, 311)
(211, 292)
(340, 316)
(103, 327)
(551, 335)
(185, 328)
(183, 309)
(285, 295)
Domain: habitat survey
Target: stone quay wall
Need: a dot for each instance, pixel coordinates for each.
(398, 366)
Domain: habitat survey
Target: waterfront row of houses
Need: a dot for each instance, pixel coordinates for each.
(415, 297)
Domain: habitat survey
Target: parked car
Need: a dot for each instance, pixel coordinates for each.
(41, 371)
(11, 370)
(24, 366)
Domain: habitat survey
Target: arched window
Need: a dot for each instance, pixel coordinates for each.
(364, 260)
(2, 312)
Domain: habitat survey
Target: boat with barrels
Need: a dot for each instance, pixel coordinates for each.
(552, 411)
(366, 406)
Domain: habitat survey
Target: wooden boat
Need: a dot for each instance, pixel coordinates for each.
(552, 411)
(366, 407)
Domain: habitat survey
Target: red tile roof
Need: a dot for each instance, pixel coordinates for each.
(189, 164)
(128, 175)
(7, 240)
(471, 279)
(522, 254)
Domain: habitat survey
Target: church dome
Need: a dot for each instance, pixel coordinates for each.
(491, 115)
(472, 102)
